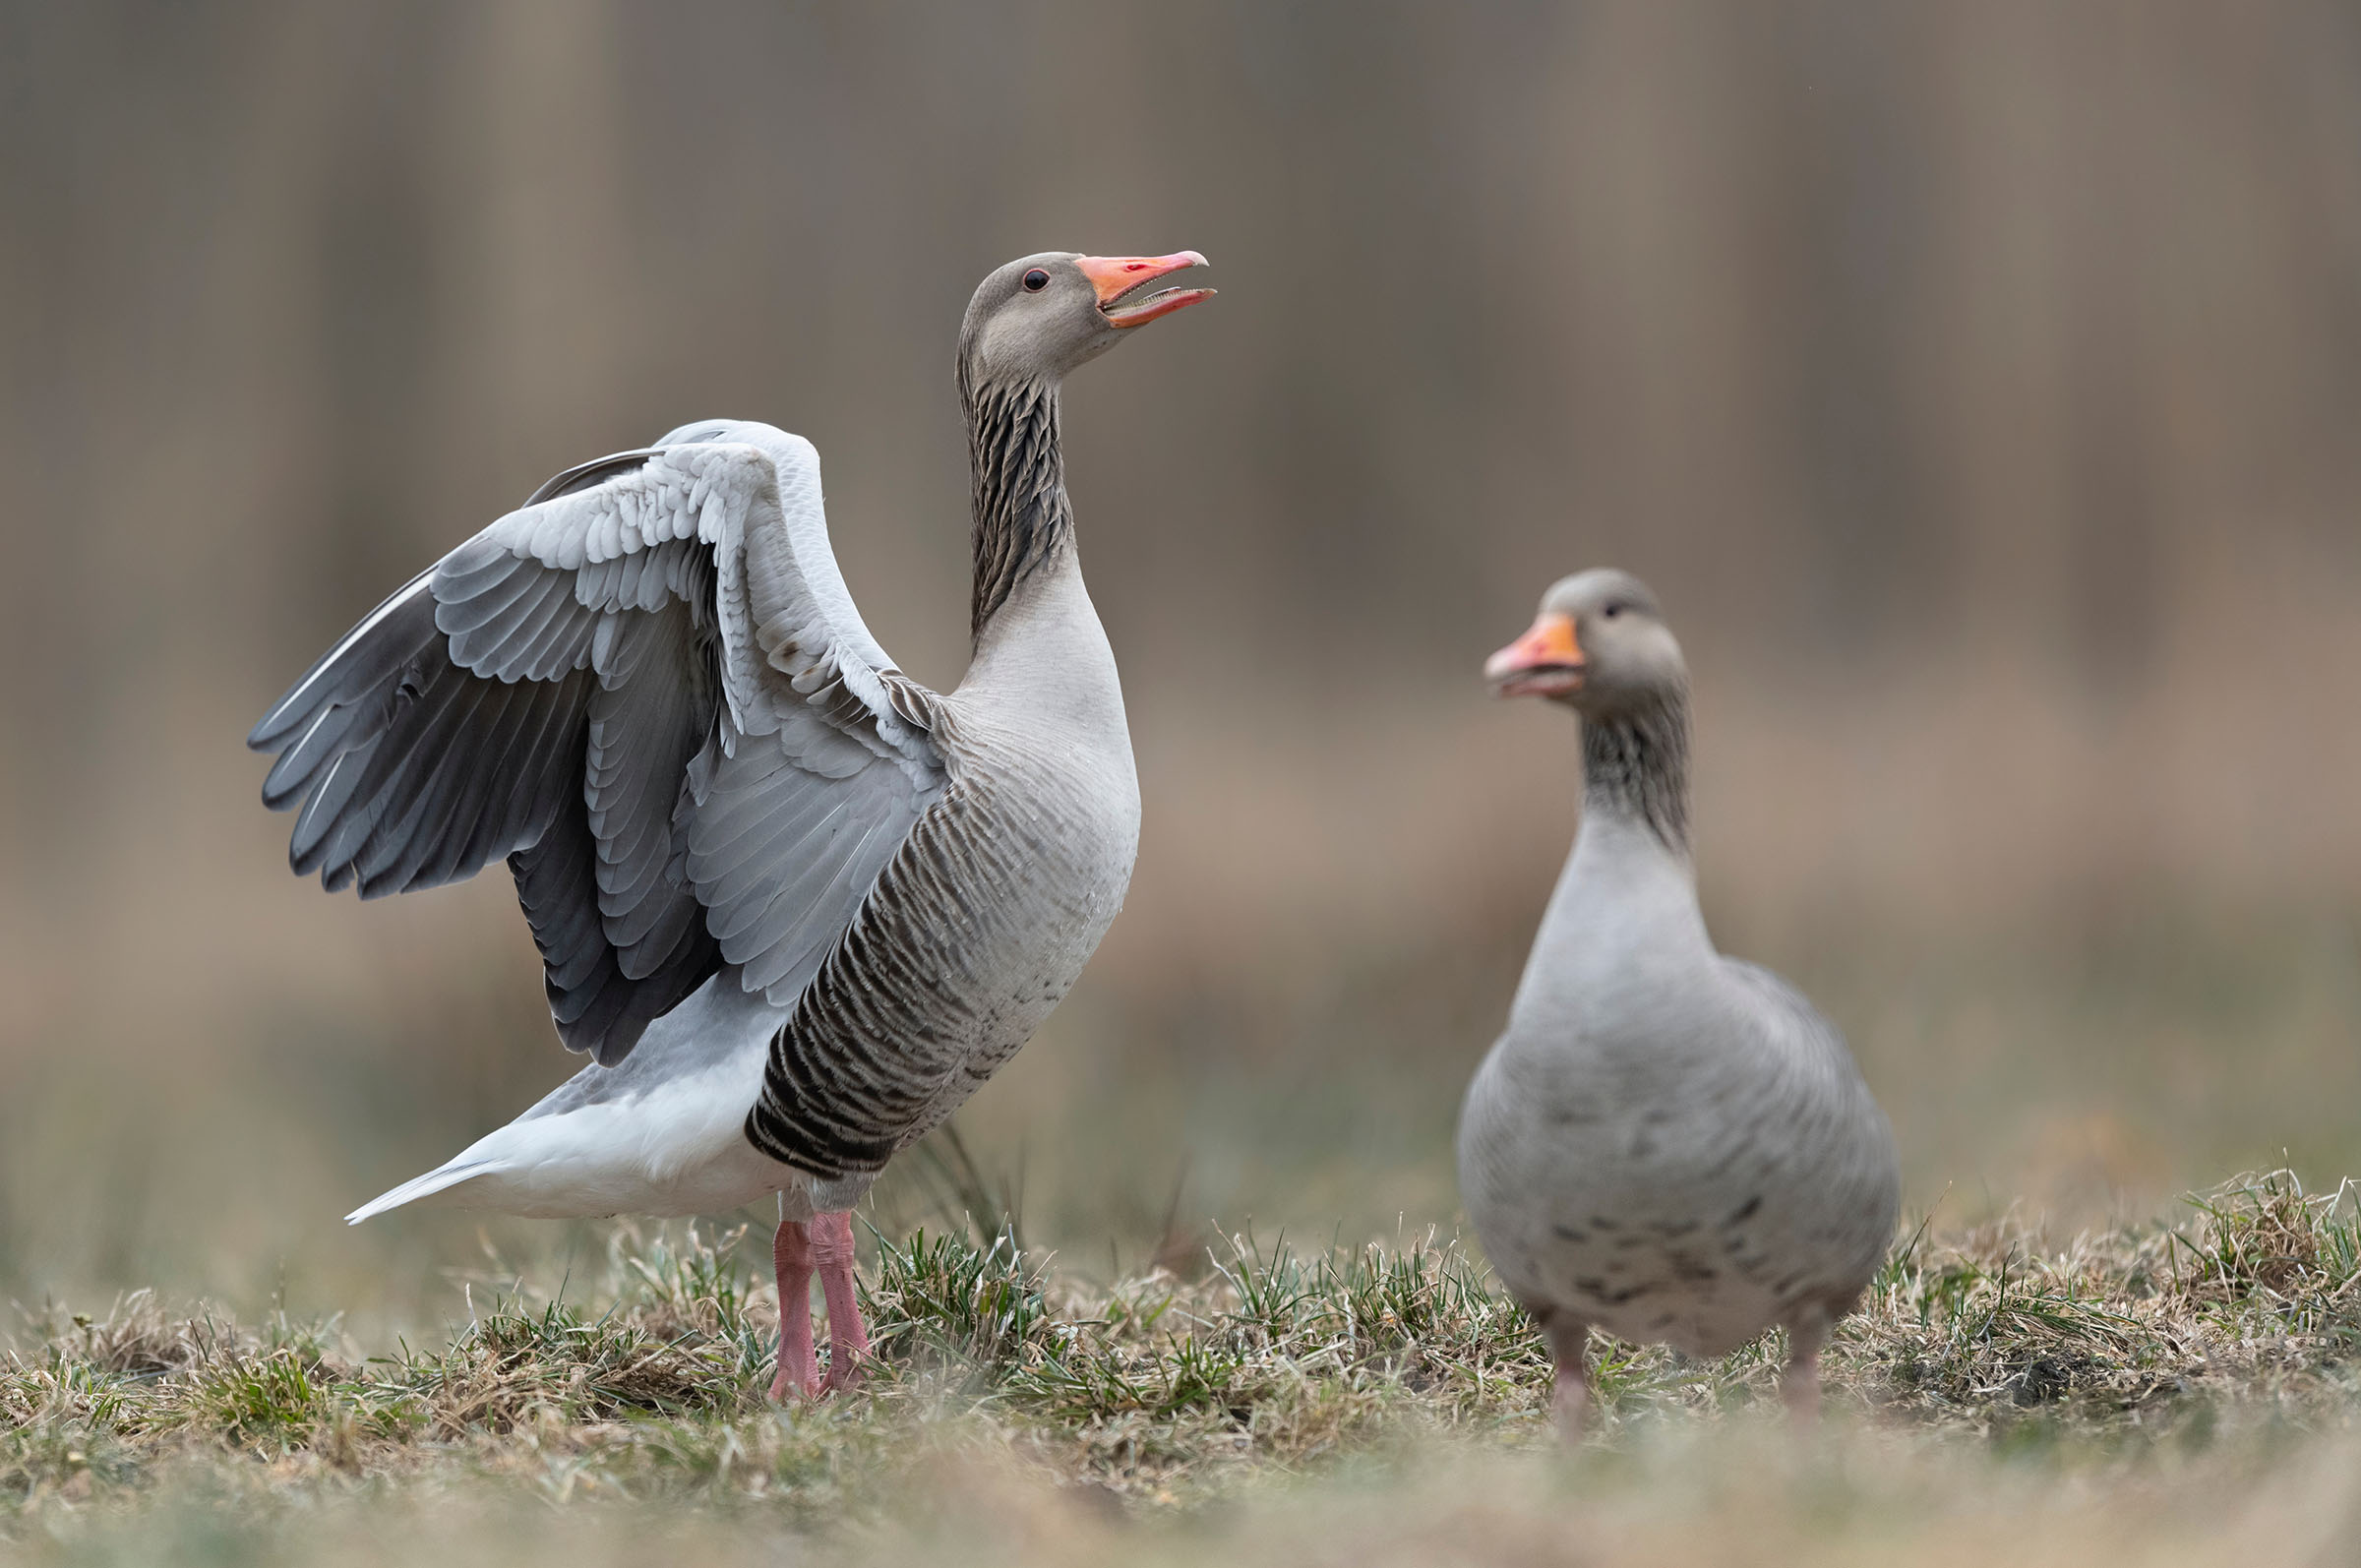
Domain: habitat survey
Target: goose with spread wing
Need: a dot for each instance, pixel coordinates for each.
(794, 905)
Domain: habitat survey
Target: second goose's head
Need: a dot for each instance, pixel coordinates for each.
(1600, 644)
(1041, 316)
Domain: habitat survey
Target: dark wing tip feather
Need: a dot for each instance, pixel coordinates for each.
(350, 665)
(582, 475)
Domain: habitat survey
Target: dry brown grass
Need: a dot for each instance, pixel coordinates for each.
(1281, 1384)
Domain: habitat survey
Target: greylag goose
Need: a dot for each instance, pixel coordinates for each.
(1666, 1144)
(794, 906)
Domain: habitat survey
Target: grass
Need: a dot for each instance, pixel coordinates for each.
(1162, 1407)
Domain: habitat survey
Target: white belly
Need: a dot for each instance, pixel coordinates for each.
(659, 1134)
(675, 1149)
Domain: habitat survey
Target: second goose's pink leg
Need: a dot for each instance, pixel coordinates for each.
(1799, 1384)
(848, 1340)
(1570, 1401)
(791, 1253)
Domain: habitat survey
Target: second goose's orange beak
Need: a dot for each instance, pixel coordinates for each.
(1547, 661)
(1118, 277)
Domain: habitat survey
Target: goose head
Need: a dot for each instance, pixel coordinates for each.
(1599, 644)
(1042, 316)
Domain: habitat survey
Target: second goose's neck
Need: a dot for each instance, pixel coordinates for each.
(1023, 523)
(1635, 771)
(1626, 902)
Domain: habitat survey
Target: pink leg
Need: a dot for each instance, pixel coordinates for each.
(848, 1340)
(1571, 1402)
(799, 1368)
(1799, 1384)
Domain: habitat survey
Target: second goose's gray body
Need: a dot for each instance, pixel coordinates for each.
(1668, 1144)
(1664, 1143)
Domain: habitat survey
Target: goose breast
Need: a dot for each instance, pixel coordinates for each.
(1687, 1175)
(986, 915)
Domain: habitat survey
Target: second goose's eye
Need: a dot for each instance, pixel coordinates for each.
(1036, 281)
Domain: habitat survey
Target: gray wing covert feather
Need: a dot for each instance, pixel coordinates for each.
(1839, 1123)
(639, 693)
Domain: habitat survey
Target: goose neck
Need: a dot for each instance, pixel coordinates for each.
(1023, 523)
(1635, 769)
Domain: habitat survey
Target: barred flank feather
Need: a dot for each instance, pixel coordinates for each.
(914, 1009)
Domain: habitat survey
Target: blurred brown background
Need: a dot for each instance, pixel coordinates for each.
(1979, 385)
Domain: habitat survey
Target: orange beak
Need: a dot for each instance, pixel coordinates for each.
(1118, 277)
(1547, 661)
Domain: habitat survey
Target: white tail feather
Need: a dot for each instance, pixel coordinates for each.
(435, 1180)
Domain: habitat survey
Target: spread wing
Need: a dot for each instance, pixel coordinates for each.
(649, 689)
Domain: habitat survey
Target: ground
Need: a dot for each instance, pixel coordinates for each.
(2171, 1390)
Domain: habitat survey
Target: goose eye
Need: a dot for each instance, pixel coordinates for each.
(1036, 281)
(1613, 610)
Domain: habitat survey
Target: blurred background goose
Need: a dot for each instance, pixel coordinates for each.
(796, 906)
(1666, 1144)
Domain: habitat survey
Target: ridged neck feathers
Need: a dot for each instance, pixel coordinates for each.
(1023, 521)
(1635, 765)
